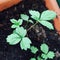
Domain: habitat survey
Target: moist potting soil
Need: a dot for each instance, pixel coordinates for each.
(50, 37)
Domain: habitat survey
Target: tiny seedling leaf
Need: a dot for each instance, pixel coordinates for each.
(44, 48)
(16, 23)
(44, 56)
(39, 58)
(13, 21)
(32, 59)
(25, 43)
(47, 24)
(24, 17)
(31, 21)
(14, 26)
(48, 15)
(34, 49)
(50, 54)
(13, 39)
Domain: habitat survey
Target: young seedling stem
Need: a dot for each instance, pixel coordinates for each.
(33, 26)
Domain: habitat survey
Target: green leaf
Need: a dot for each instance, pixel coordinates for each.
(13, 39)
(16, 23)
(25, 43)
(39, 58)
(31, 21)
(44, 56)
(14, 26)
(34, 13)
(13, 20)
(32, 59)
(47, 24)
(48, 15)
(35, 18)
(34, 49)
(20, 21)
(21, 31)
(44, 48)
(50, 54)
(24, 17)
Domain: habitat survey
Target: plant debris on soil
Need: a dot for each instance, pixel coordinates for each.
(39, 34)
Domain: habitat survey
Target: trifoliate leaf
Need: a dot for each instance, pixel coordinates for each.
(24, 17)
(44, 48)
(44, 56)
(50, 54)
(16, 23)
(21, 31)
(34, 49)
(25, 43)
(47, 24)
(48, 15)
(13, 20)
(34, 13)
(13, 39)
(32, 59)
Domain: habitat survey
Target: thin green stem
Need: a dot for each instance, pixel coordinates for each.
(32, 26)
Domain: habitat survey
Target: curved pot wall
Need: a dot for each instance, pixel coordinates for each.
(4, 4)
(52, 5)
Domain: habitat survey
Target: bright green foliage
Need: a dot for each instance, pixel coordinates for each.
(45, 52)
(25, 43)
(26, 18)
(13, 39)
(50, 54)
(47, 24)
(13, 21)
(44, 56)
(34, 14)
(39, 58)
(48, 15)
(44, 48)
(34, 49)
(32, 59)
(31, 21)
(44, 18)
(19, 36)
(16, 23)
(19, 33)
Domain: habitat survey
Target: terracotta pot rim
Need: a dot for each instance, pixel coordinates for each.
(4, 4)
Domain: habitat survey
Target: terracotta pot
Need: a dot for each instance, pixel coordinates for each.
(52, 5)
(4, 4)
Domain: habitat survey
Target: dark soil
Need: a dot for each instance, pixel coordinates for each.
(44, 35)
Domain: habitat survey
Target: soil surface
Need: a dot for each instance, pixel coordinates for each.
(44, 35)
